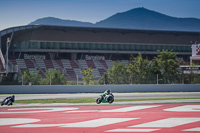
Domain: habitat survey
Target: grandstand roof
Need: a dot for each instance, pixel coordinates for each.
(116, 40)
(26, 27)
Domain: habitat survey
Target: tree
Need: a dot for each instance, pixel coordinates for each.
(118, 74)
(194, 77)
(33, 77)
(139, 69)
(104, 79)
(166, 64)
(54, 77)
(88, 76)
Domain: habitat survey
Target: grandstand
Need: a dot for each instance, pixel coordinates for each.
(71, 49)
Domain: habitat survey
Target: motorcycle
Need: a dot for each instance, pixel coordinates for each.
(107, 99)
(8, 101)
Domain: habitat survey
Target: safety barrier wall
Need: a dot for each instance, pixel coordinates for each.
(37, 89)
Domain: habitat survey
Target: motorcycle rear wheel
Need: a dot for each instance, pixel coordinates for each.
(111, 100)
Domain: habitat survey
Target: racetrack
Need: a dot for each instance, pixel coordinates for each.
(123, 117)
(155, 118)
(117, 95)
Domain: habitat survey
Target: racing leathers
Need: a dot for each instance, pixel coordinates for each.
(106, 94)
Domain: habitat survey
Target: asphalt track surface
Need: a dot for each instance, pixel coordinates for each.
(117, 95)
(183, 116)
(151, 118)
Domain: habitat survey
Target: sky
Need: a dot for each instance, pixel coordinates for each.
(22, 12)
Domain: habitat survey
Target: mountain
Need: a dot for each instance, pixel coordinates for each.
(138, 18)
(59, 22)
(141, 18)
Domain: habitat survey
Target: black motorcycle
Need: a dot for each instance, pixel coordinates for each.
(8, 100)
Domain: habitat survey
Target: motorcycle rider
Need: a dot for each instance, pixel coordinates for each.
(106, 97)
(106, 94)
(11, 98)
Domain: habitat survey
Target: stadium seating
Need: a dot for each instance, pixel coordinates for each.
(71, 73)
(101, 71)
(96, 74)
(13, 61)
(58, 63)
(90, 63)
(103, 63)
(71, 68)
(78, 73)
(21, 63)
(29, 63)
(83, 64)
(40, 63)
(109, 63)
(48, 64)
(66, 64)
(74, 64)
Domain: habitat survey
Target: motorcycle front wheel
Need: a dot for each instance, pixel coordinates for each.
(98, 101)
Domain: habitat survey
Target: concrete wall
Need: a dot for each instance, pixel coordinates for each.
(98, 88)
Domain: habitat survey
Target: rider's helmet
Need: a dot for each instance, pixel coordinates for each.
(109, 91)
(13, 97)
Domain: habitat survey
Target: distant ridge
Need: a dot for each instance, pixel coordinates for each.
(138, 18)
(57, 21)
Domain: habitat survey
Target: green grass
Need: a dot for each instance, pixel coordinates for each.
(89, 100)
(79, 100)
(152, 99)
